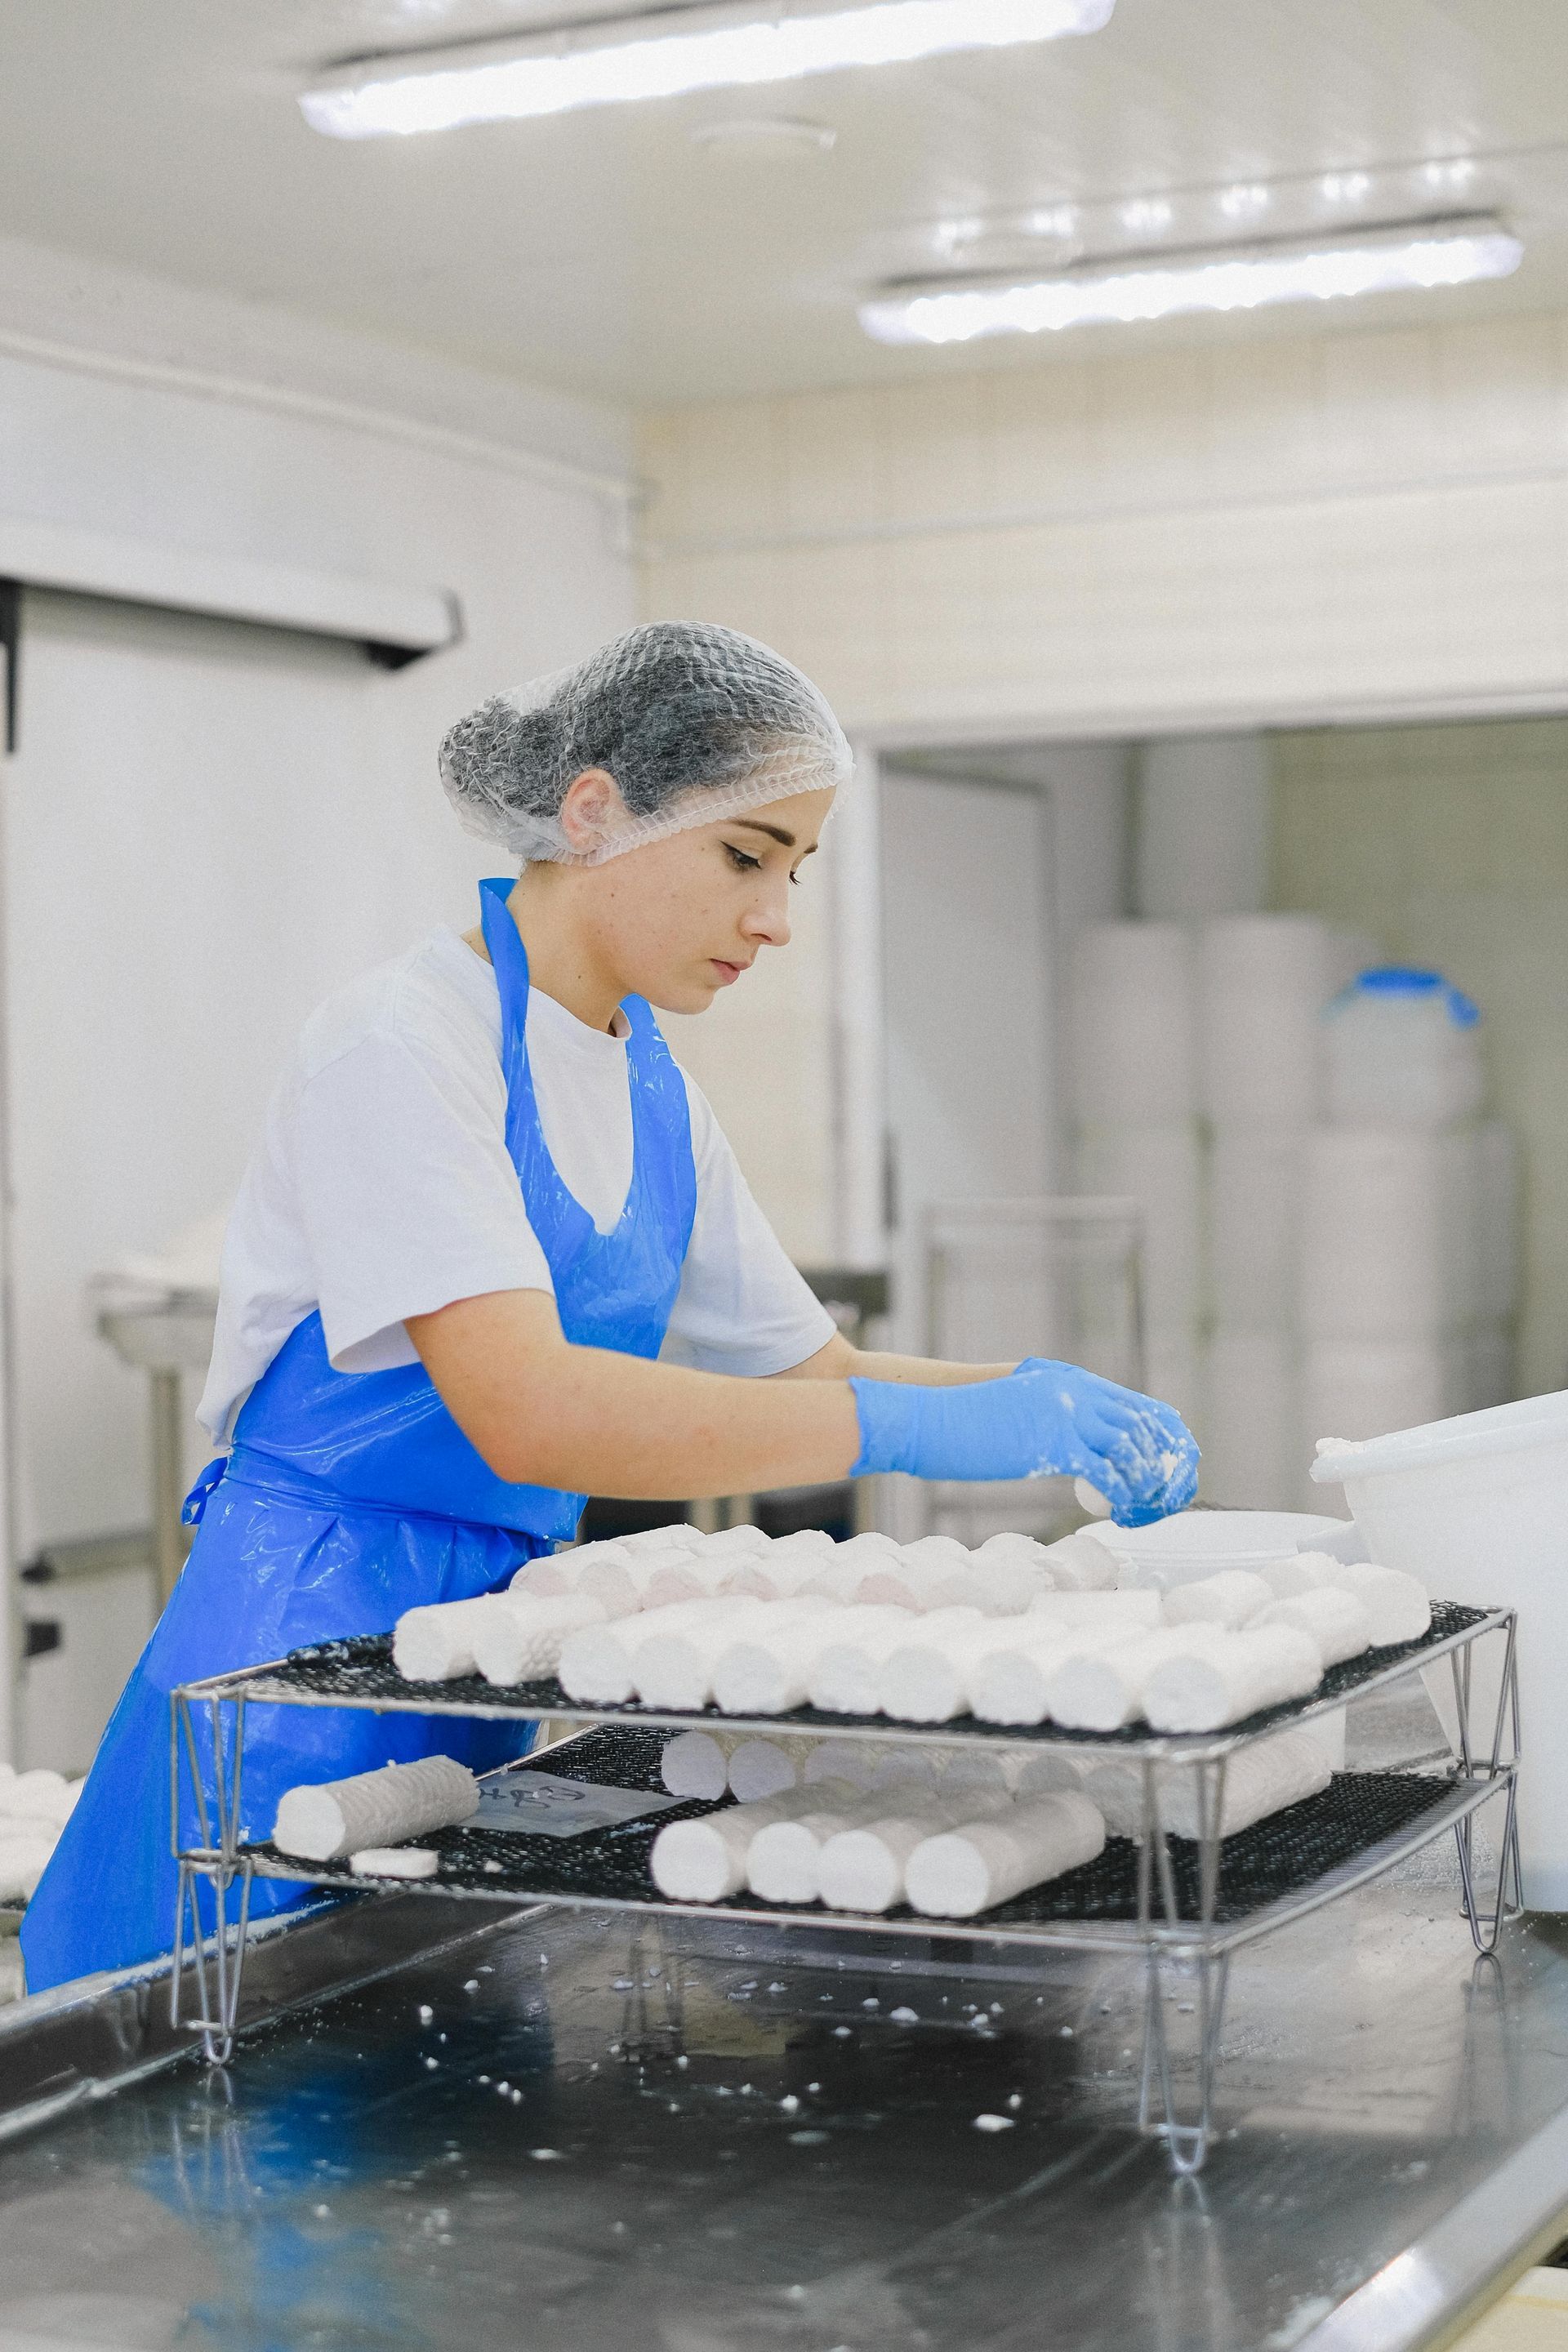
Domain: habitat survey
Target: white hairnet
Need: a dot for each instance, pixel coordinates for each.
(693, 722)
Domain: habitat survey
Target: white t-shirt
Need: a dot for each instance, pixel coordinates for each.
(383, 1188)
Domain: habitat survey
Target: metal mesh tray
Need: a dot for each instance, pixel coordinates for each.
(359, 1673)
(1269, 1863)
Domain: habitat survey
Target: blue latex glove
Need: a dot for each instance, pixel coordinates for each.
(1046, 1420)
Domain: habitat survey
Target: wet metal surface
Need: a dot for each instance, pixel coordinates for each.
(726, 2139)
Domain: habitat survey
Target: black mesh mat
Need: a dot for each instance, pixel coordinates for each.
(362, 1671)
(1259, 1866)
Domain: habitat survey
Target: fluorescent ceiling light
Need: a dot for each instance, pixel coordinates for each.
(664, 53)
(1239, 278)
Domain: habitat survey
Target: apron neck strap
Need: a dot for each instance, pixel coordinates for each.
(509, 957)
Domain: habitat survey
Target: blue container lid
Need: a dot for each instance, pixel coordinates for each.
(1397, 980)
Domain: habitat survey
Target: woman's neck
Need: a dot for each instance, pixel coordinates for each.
(561, 959)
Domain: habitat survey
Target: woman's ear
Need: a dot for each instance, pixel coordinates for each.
(592, 809)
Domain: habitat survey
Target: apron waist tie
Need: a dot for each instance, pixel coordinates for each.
(259, 1474)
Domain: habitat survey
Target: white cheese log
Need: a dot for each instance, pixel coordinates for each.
(998, 1587)
(23, 1861)
(595, 1664)
(325, 1821)
(520, 1642)
(678, 1576)
(1259, 1780)
(1041, 1772)
(853, 1760)
(843, 1677)
(862, 1868)
(1100, 1689)
(846, 1677)
(697, 1763)
(1231, 1598)
(612, 1583)
(870, 1547)
(1081, 1564)
(435, 1642)
(1261, 1667)
(673, 1664)
(764, 1767)
(704, 1860)
(769, 1667)
(544, 1579)
(971, 1781)
(927, 1678)
(931, 1552)
(1015, 1551)
(784, 1857)
(805, 1543)
(396, 1862)
(1337, 1622)
(1013, 1684)
(893, 1586)
(732, 1543)
(963, 1871)
(678, 1538)
(1397, 1604)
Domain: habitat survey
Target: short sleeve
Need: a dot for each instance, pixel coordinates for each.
(742, 1308)
(407, 1196)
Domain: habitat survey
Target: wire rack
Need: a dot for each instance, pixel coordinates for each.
(1186, 1905)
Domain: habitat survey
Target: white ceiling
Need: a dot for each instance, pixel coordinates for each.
(607, 253)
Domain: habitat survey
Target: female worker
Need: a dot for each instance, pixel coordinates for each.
(493, 1253)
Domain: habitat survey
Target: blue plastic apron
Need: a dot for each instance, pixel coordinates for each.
(347, 1499)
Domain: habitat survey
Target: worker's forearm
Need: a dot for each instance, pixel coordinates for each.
(614, 1424)
(839, 1361)
(587, 1420)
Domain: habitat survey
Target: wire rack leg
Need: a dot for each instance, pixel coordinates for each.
(1160, 2104)
(1485, 1933)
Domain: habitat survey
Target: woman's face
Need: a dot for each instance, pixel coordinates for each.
(685, 917)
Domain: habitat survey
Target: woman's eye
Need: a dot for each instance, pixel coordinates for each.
(741, 862)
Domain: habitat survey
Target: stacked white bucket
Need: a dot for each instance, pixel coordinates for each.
(1133, 1058)
(1263, 982)
(1407, 1218)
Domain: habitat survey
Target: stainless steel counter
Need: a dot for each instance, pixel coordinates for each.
(755, 2140)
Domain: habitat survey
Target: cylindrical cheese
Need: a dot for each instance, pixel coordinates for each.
(696, 1764)
(964, 1871)
(520, 1642)
(325, 1821)
(704, 1860)
(1238, 1675)
(1341, 1627)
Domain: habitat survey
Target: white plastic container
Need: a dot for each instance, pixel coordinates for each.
(1401, 1049)
(1477, 1509)
(1130, 1029)
(1255, 1227)
(1161, 1167)
(1253, 1450)
(1196, 1543)
(1389, 1231)
(1263, 981)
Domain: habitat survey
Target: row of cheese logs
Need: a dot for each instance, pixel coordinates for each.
(33, 1809)
(953, 1833)
(868, 1627)
(856, 1825)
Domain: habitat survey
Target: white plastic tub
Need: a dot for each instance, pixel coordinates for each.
(1477, 1509)
(1196, 1543)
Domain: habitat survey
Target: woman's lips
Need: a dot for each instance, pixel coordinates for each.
(728, 973)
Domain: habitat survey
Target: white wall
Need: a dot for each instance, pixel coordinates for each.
(208, 826)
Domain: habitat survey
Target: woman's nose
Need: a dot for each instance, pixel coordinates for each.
(767, 920)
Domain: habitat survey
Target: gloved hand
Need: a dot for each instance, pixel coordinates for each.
(1044, 1420)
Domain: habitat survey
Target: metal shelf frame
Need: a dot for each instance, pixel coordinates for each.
(1176, 2087)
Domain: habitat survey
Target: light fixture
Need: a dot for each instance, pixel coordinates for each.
(1345, 187)
(664, 52)
(1244, 201)
(1233, 278)
(765, 134)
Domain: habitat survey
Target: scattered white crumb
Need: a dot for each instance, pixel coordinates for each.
(432, 2063)
(1066, 2033)
(992, 2123)
(683, 2061)
(471, 1984)
(905, 2016)
(777, 1988)
(322, 2212)
(425, 2013)
(545, 2154)
(841, 2032)
(620, 1984)
(1016, 2100)
(789, 2104)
